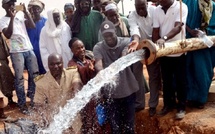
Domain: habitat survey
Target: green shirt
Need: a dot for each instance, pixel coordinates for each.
(89, 28)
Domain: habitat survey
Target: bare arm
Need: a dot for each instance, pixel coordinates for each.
(160, 40)
(99, 65)
(155, 34)
(9, 30)
(175, 30)
(29, 23)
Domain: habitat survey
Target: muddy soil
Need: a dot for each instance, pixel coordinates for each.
(196, 121)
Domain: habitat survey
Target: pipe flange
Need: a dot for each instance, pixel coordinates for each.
(150, 46)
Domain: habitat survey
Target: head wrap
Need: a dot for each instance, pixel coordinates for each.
(55, 11)
(50, 25)
(111, 6)
(52, 30)
(36, 3)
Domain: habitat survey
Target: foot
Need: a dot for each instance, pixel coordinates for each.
(24, 110)
(165, 110)
(152, 111)
(180, 114)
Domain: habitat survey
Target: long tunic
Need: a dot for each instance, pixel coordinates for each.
(34, 36)
(199, 63)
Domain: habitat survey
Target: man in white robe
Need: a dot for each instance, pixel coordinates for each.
(54, 38)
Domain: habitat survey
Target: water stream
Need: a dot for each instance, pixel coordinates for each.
(66, 115)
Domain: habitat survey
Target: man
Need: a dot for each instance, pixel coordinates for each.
(121, 23)
(35, 7)
(141, 23)
(13, 25)
(54, 38)
(166, 28)
(122, 30)
(97, 5)
(54, 88)
(85, 24)
(6, 76)
(104, 3)
(121, 109)
(69, 9)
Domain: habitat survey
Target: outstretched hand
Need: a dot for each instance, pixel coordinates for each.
(133, 46)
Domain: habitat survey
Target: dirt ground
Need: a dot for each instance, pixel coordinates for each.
(196, 121)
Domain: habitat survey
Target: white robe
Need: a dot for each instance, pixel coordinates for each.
(55, 43)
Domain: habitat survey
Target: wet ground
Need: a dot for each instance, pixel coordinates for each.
(196, 121)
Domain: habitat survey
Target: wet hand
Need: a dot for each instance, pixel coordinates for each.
(160, 43)
(133, 46)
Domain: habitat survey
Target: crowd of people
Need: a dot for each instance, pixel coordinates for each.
(62, 52)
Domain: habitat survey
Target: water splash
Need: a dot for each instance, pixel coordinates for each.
(66, 115)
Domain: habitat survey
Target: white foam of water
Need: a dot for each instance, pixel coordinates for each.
(66, 115)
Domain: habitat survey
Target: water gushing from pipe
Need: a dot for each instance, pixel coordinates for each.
(66, 115)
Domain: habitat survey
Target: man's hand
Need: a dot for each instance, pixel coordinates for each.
(24, 8)
(161, 43)
(194, 33)
(133, 46)
(12, 12)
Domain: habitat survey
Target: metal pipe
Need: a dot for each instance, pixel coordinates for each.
(175, 47)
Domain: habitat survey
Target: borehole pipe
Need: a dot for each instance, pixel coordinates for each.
(171, 47)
